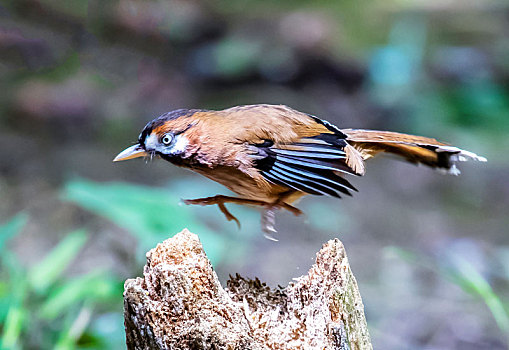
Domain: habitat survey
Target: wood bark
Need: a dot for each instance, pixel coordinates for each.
(180, 304)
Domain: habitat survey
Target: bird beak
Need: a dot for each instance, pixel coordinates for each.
(130, 153)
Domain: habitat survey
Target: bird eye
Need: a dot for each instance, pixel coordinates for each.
(167, 139)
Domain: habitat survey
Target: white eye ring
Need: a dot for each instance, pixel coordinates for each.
(167, 139)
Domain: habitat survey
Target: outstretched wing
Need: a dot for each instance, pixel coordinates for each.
(314, 165)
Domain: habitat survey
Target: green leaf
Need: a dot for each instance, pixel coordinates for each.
(11, 229)
(151, 214)
(44, 274)
(154, 214)
(14, 285)
(72, 333)
(141, 210)
(13, 327)
(95, 287)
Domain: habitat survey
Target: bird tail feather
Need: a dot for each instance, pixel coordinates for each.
(414, 149)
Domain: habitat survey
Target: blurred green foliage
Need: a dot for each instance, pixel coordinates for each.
(151, 215)
(459, 271)
(41, 307)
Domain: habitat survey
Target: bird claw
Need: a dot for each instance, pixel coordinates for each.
(270, 237)
(219, 200)
(229, 216)
(268, 215)
(199, 201)
(268, 224)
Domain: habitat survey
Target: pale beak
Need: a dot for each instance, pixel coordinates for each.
(130, 153)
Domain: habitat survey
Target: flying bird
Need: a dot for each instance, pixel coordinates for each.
(272, 155)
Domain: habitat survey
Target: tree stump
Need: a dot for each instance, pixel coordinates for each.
(180, 304)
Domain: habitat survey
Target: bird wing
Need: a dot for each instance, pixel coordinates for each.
(314, 165)
(292, 149)
(309, 165)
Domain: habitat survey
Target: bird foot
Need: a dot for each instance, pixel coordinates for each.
(220, 201)
(268, 224)
(268, 215)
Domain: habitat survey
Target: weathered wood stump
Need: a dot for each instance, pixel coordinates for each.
(180, 304)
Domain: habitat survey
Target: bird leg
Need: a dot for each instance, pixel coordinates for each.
(220, 200)
(269, 223)
(268, 215)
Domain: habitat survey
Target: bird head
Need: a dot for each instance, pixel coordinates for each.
(164, 137)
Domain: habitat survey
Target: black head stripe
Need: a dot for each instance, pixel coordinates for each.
(178, 113)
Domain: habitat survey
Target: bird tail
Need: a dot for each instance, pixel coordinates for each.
(414, 149)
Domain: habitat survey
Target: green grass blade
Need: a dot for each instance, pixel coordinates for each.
(70, 336)
(13, 327)
(44, 274)
(463, 274)
(95, 287)
(480, 287)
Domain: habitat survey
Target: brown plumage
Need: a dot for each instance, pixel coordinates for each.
(273, 155)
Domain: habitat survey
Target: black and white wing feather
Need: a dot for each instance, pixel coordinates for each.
(313, 165)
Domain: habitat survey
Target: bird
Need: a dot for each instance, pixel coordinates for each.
(272, 155)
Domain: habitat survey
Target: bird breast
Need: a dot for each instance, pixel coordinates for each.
(242, 184)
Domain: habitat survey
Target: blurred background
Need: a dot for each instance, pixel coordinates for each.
(80, 79)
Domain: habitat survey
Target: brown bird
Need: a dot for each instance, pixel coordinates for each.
(273, 155)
